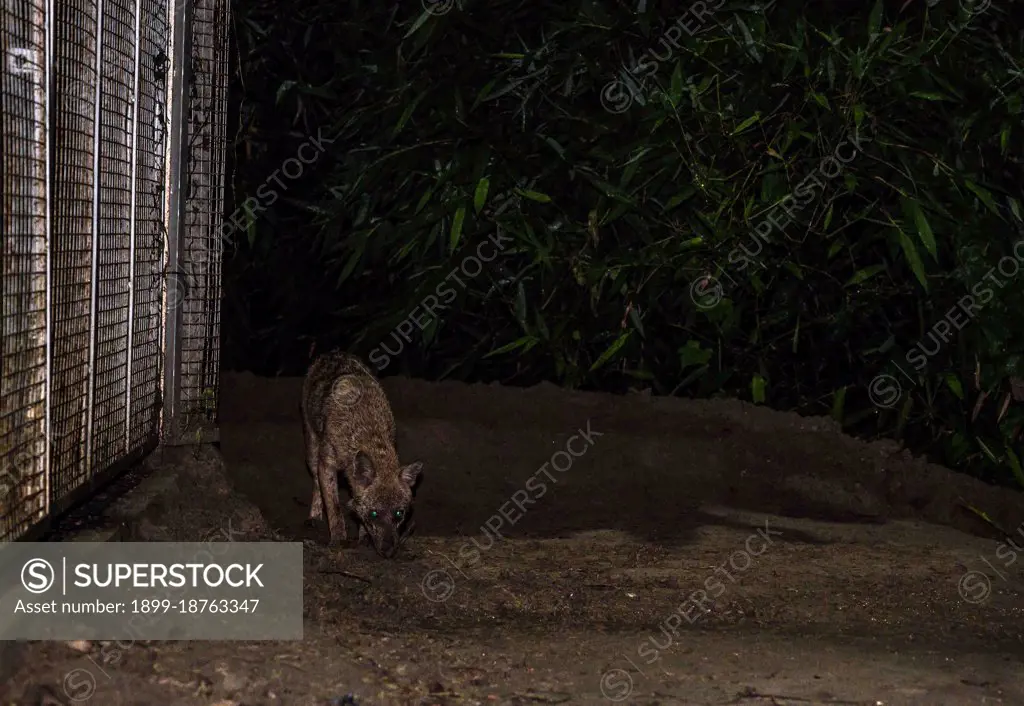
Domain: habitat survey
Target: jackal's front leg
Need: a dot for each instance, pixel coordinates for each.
(327, 477)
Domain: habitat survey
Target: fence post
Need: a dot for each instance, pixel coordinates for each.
(48, 423)
(90, 404)
(178, 151)
(132, 229)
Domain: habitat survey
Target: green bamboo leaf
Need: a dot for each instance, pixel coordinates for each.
(353, 260)
(858, 115)
(875, 19)
(864, 275)
(687, 193)
(791, 61)
(988, 452)
(629, 173)
(406, 114)
(953, 383)
(611, 350)
(423, 200)
(483, 93)
(676, 85)
(757, 386)
(507, 88)
(983, 194)
(607, 189)
(692, 354)
(534, 195)
(930, 96)
(839, 404)
(984, 516)
(913, 209)
(282, 91)
(1015, 208)
(418, 23)
(747, 123)
(748, 40)
(913, 258)
(456, 234)
(559, 150)
(634, 318)
(526, 343)
(521, 304)
(694, 375)
(480, 195)
(542, 327)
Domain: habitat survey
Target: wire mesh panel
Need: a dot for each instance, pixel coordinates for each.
(201, 266)
(150, 230)
(23, 266)
(74, 157)
(114, 225)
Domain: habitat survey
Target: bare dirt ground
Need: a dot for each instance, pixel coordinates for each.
(678, 553)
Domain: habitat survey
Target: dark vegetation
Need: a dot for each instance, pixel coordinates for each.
(493, 114)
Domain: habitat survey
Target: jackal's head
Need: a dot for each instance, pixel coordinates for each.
(381, 501)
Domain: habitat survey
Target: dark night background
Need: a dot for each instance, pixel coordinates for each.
(450, 124)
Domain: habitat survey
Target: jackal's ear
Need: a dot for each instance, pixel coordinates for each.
(363, 471)
(411, 472)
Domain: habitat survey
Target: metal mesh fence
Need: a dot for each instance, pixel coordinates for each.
(150, 230)
(200, 345)
(112, 226)
(87, 179)
(75, 72)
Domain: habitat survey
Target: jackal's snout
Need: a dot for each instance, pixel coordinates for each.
(388, 545)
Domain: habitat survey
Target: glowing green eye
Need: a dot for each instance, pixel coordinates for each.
(398, 513)
(373, 513)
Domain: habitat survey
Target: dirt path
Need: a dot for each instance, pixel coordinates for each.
(667, 553)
